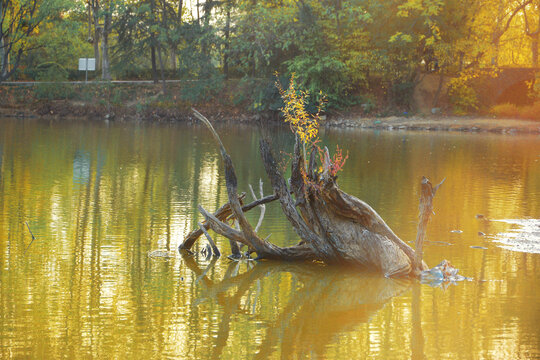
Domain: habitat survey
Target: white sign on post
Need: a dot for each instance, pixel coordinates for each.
(87, 64)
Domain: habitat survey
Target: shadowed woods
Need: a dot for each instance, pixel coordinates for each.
(334, 227)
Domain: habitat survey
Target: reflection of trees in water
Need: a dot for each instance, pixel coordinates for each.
(81, 167)
(93, 291)
(327, 302)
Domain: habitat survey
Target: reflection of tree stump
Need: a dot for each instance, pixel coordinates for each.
(340, 299)
(335, 227)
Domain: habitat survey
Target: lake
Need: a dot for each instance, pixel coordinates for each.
(100, 197)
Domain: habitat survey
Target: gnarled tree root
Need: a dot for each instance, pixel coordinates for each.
(335, 227)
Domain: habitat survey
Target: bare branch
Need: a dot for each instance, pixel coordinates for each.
(264, 200)
(215, 249)
(222, 214)
(426, 209)
(513, 13)
(221, 228)
(262, 206)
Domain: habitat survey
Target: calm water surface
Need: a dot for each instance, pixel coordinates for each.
(100, 197)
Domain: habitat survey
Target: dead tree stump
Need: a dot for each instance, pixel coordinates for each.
(334, 227)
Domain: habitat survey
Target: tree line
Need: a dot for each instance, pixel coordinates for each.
(342, 48)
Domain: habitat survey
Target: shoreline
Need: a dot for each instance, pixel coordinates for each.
(471, 124)
(439, 123)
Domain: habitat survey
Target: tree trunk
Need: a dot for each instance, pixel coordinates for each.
(534, 50)
(495, 57)
(180, 10)
(174, 46)
(89, 22)
(153, 61)
(334, 227)
(16, 27)
(161, 54)
(97, 35)
(173, 60)
(337, 10)
(535, 41)
(533, 35)
(105, 65)
(227, 43)
(162, 70)
(3, 69)
(439, 89)
(153, 42)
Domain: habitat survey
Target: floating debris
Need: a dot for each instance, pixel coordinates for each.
(241, 257)
(441, 275)
(456, 231)
(162, 254)
(478, 247)
(443, 243)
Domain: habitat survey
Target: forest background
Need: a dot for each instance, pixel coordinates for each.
(362, 54)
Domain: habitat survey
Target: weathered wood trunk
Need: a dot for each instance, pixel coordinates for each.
(338, 227)
(334, 227)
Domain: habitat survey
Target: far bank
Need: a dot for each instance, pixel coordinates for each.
(131, 101)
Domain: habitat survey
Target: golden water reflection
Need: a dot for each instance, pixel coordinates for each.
(99, 198)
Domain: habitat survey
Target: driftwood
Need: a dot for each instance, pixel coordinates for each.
(334, 227)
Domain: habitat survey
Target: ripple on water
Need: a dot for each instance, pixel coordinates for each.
(524, 236)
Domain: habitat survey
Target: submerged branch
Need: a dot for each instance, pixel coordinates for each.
(425, 211)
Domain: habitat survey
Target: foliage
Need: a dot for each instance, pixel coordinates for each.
(261, 94)
(338, 161)
(20, 20)
(534, 87)
(321, 74)
(531, 112)
(51, 77)
(340, 48)
(462, 96)
(368, 104)
(203, 89)
(306, 126)
(302, 123)
(63, 41)
(505, 110)
(402, 94)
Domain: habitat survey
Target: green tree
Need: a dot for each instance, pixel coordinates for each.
(19, 21)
